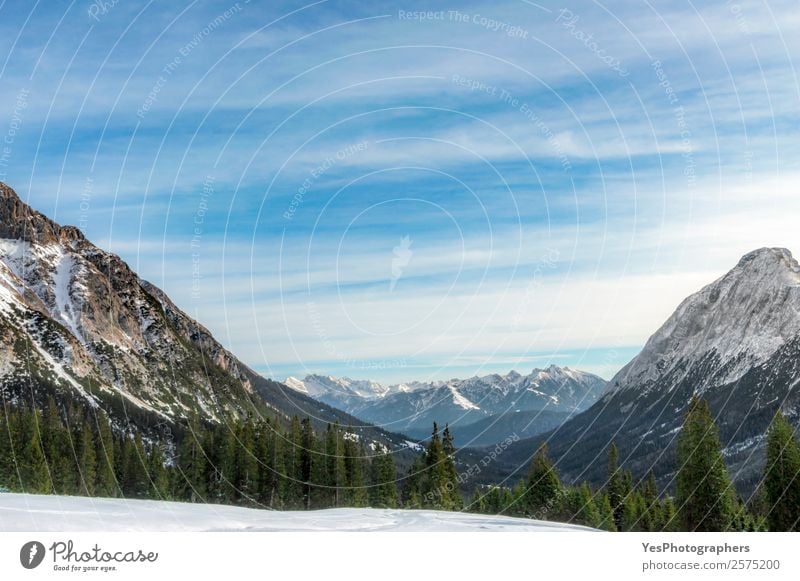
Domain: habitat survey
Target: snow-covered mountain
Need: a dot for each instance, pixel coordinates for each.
(79, 325)
(736, 342)
(411, 408)
(732, 325)
(341, 392)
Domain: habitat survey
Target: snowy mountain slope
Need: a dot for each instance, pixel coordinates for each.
(79, 325)
(736, 342)
(739, 321)
(39, 513)
(412, 408)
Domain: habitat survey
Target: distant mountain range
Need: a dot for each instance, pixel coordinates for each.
(736, 343)
(80, 326)
(480, 410)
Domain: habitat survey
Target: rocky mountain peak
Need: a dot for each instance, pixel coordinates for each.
(769, 264)
(18, 221)
(732, 324)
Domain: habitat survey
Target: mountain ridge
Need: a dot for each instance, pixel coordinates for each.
(81, 326)
(411, 408)
(735, 342)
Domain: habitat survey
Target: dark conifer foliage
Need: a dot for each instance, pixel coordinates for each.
(704, 493)
(256, 462)
(251, 462)
(782, 476)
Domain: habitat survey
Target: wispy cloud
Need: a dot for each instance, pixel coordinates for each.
(561, 189)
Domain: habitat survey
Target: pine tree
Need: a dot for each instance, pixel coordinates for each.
(633, 510)
(670, 516)
(158, 475)
(275, 482)
(543, 494)
(782, 476)
(57, 445)
(245, 467)
(354, 470)
(223, 449)
(384, 482)
(518, 504)
(105, 483)
(87, 458)
(306, 452)
(293, 489)
(34, 472)
(587, 511)
(132, 467)
(435, 478)
(477, 503)
(606, 513)
(191, 480)
(412, 486)
(653, 517)
(7, 472)
(336, 471)
(453, 499)
(703, 487)
(618, 485)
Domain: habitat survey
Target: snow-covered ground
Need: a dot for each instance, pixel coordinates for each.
(28, 512)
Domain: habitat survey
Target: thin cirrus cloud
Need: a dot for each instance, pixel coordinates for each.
(559, 190)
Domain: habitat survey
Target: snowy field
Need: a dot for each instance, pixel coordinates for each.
(28, 512)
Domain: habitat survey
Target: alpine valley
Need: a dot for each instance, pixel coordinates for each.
(735, 343)
(80, 328)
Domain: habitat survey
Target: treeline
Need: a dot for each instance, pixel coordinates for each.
(704, 499)
(251, 462)
(257, 462)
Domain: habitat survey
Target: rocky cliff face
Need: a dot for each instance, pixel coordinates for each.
(80, 318)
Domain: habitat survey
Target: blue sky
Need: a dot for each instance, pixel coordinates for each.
(398, 191)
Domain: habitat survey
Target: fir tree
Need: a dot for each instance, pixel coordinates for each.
(33, 469)
(606, 519)
(87, 458)
(384, 482)
(336, 471)
(354, 470)
(7, 471)
(669, 516)
(191, 480)
(543, 494)
(158, 475)
(618, 485)
(782, 476)
(222, 462)
(245, 466)
(306, 452)
(653, 517)
(106, 483)
(453, 500)
(412, 488)
(703, 488)
(586, 509)
(275, 482)
(293, 490)
(436, 476)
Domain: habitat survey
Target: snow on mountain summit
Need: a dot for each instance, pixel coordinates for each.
(412, 407)
(733, 324)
